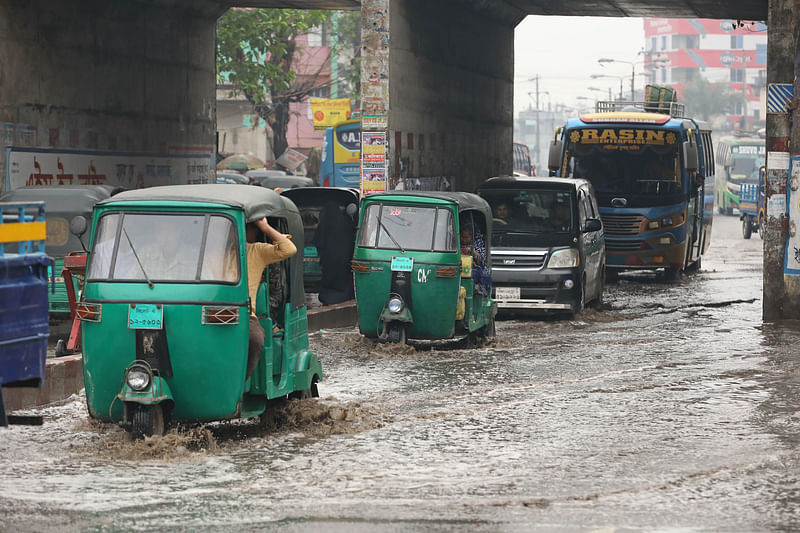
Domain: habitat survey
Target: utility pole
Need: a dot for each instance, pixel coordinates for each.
(335, 55)
(538, 146)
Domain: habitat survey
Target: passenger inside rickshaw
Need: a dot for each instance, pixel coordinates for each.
(473, 245)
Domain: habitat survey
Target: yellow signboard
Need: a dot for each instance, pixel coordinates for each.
(327, 112)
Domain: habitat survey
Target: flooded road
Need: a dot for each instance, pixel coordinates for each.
(671, 409)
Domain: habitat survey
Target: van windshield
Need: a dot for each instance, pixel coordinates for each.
(530, 210)
(408, 228)
(147, 246)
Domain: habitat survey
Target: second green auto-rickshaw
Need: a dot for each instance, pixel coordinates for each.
(421, 266)
(166, 310)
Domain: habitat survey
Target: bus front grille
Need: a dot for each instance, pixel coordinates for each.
(622, 224)
(623, 246)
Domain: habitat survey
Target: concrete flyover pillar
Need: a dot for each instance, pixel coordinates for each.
(781, 291)
(117, 92)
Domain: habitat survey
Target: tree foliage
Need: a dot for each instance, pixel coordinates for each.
(255, 53)
(349, 42)
(705, 100)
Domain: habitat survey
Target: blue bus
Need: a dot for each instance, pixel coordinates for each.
(341, 155)
(649, 171)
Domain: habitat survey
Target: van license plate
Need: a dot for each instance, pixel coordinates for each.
(506, 293)
(145, 316)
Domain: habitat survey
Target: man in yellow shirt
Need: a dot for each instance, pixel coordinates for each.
(259, 256)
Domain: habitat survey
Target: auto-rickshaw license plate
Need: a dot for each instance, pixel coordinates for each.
(506, 293)
(402, 264)
(145, 316)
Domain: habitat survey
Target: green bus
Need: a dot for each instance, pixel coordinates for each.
(738, 161)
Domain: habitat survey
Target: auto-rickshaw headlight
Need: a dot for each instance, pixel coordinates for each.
(138, 377)
(395, 304)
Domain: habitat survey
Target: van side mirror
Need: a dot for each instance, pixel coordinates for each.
(592, 224)
(690, 156)
(78, 225)
(554, 156)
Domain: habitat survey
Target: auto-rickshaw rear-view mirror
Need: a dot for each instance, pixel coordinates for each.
(78, 225)
(351, 209)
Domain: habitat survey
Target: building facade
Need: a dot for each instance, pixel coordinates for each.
(718, 51)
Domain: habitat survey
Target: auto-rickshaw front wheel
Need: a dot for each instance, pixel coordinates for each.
(148, 420)
(396, 333)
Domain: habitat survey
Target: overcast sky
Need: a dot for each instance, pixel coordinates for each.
(563, 52)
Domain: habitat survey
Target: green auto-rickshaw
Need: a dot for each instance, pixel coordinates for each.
(421, 266)
(64, 202)
(165, 308)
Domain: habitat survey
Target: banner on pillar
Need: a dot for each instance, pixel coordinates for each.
(792, 263)
(373, 162)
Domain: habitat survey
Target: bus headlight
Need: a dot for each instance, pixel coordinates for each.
(652, 224)
(666, 221)
(138, 377)
(566, 258)
(395, 304)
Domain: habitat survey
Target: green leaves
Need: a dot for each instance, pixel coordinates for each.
(255, 47)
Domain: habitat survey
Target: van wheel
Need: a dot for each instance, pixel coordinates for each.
(747, 229)
(148, 420)
(397, 333)
(598, 301)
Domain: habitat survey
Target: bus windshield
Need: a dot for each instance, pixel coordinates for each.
(641, 165)
(746, 162)
(406, 227)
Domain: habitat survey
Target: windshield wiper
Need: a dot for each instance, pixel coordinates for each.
(390, 235)
(149, 283)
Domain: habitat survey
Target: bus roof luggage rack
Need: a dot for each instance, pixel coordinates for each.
(675, 109)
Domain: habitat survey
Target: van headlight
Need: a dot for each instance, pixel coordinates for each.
(138, 377)
(566, 258)
(395, 304)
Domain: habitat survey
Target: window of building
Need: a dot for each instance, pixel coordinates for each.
(737, 41)
(321, 92)
(737, 74)
(663, 42)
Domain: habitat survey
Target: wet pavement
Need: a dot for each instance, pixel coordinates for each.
(673, 408)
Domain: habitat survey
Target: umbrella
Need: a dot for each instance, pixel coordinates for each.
(240, 162)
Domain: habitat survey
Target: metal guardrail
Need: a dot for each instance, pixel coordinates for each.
(671, 108)
(23, 223)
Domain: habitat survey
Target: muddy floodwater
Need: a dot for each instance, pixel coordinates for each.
(673, 408)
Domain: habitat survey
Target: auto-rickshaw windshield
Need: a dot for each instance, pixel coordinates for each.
(174, 247)
(405, 227)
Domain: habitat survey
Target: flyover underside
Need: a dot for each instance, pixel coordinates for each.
(518, 9)
(118, 76)
(451, 94)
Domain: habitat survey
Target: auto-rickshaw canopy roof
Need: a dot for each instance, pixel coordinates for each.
(63, 199)
(465, 200)
(256, 202)
(63, 202)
